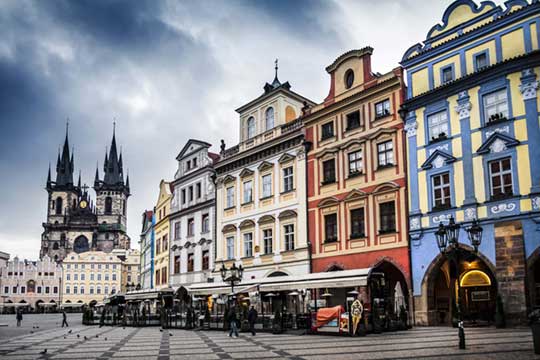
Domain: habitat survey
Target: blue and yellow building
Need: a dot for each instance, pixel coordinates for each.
(473, 147)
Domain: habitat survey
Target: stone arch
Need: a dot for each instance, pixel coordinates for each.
(533, 276)
(276, 273)
(335, 266)
(81, 244)
(246, 224)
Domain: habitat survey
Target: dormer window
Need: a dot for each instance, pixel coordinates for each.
(481, 61)
(349, 78)
(447, 74)
(269, 118)
(250, 127)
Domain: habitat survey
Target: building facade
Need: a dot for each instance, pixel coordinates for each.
(162, 211)
(261, 192)
(74, 223)
(90, 276)
(192, 218)
(131, 261)
(36, 283)
(147, 250)
(473, 141)
(357, 172)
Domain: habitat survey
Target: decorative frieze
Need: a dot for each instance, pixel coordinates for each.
(464, 110)
(528, 90)
(410, 128)
(503, 207)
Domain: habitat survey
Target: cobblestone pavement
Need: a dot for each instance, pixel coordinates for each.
(150, 343)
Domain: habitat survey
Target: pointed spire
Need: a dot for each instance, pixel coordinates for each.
(96, 178)
(127, 180)
(79, 182)
(276, 82)
(65, 163)
(49, 177)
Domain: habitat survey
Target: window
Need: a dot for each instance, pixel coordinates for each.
(353, 120)
(355, 162)
(23, 289)
(205, 223)
(158, 246)
(55, 290)
(82, 276)
(447, 74)
(248, 192)
(230, 248)
(327, 130)
(330, 227)
(329, 171)
(68, 277)
(191, 227)
(198, 190)
(267, 241)
(206, 260)
(91, 290)
(75, 277)
(289, 237)
(349, 78)
(98, 289)
(177, 230)
(190, 192)
(75, 289)
(81, 290)
(248, 244)
(177, 264)
(183, 196)
(188, 165)
(441, 191)
(164, 279)
(106, 289)
(387, 213)
(382, 109)
(496, 106)
(357, 223)
(500, 175)
(269, 118)
(250, 127)
(158, 277)
(98, 277)
(58, 207)
(68, 291)
(385, 152)
(108, 205)
(114, 277)
(190, 262)
(481, 61)
(267, 185)
(288, 179)
(6, 289)
(438, 126)
(165, 242)
(91, 276)
(106, 276)
(194, 162)
(230, 197)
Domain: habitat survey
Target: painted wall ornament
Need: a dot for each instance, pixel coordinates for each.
(497, 146)
(443, 217)
(508, 207)
(470, 214)
(438, 162)
(504, 129)
(535, 203)
(464, 110)
(414, 224)
(410, 128)
(528, 90)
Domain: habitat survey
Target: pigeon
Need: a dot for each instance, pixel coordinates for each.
(160, 330)
(170, 334)
(124, 327)
(44, 351)
(85, 338)
(78, 336)
(69, 332)
(37, 327)
(64, 337)
(105, 339)
(31, 332)
(97, 335)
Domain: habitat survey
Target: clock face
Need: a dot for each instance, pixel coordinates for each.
(83, 204)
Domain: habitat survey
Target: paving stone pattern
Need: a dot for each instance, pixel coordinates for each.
(150, 343)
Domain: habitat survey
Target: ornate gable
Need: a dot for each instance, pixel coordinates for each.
(265, 165)
(286, 158)
(355, 194)
(497, 143)
(438, 159)
(246, 172)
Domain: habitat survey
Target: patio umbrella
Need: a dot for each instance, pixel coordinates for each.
(399, 298)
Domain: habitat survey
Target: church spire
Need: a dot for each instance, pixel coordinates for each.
(113, 169)
(96, 178)
(49, 177)
(65, 164)
(79, 182)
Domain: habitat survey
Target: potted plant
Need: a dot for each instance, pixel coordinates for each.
(500, 320)
(534, 322)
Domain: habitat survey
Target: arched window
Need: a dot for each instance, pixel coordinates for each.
(250, 127)
(108, 205)
(269, 118)
(58, 206)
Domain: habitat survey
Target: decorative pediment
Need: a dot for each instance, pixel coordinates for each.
(246, 172)
(265, 165)
(266, 219)
(331, 201)
(438, 159)
(287, 214)
(381, 132)
(497, 143)
(387, 186)
(352, 142)
(328, 153)
(228, 228)
(286, 158)
(355, 194)
(246, 224)
(228, 179)
(202, 241)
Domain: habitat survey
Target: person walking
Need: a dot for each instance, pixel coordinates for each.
(19, 318)
(64, 318)
(252, 318)
(231, 317)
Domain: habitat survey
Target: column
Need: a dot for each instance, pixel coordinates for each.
(529, 86)
(412, 164)
(463, 108)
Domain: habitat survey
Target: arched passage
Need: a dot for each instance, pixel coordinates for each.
(389, 288)
(81, 244)
(477, 291)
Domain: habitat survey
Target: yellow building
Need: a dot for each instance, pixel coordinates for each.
(90, 276)
(161, 259)
(473, 144)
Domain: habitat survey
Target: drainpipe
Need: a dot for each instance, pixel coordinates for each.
(307, 147)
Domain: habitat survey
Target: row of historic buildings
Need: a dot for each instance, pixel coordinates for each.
(364, 179)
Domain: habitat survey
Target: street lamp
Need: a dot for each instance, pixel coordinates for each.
(448, 242)
(232, 275)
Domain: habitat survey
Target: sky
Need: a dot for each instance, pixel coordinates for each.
(165, 72)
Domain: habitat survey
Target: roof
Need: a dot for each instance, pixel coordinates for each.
(368, 50)
(215, 157)
(285, 88)
(190, 142)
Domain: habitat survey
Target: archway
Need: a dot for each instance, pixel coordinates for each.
(389, 289)
(477, 290)
(81, 244)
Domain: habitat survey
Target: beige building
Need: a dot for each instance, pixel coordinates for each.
(161, 245)
(261, 189)
(131, 260)
(90, 276)
(36, 283)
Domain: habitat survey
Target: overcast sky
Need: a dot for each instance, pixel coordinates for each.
(166, 71)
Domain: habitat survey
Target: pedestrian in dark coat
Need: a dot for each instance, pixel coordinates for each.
(252, 318)
(64, 318)
(231, 317)
(19, 318)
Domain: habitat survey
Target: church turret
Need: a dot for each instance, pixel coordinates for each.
(65, 166)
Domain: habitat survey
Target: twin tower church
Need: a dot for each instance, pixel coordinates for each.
(75, 222)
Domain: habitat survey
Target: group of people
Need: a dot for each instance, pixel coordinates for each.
(19, 317)
(232, 318)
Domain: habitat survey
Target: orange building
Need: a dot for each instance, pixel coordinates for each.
(357, 174)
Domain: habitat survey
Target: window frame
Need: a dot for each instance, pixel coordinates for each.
(447, 69)
(266, 186)
(247, 239)
(385, 109)
(361, 233)
(383, 228)
(326, 179)
(268, 241)
(385, 151)
(327, 130)
(267, 118)
(441, 187)
(356, 160)
(229, 242)
(288, 179)
(250, 128)
(249, 190)
(440, 125)
(229, 195)
(486, 117)
(500, 174)
(289, 237)
(475, 60)
(335, 230)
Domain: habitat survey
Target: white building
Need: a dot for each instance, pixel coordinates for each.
(147, 250)
(192, 216)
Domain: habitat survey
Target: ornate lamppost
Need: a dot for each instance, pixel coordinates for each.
(232, 275)
(448, 243)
